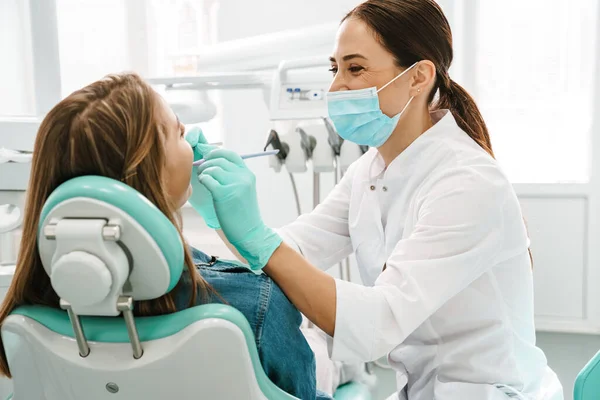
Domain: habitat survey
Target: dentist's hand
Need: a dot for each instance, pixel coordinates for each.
(233, 188)
(201, 198)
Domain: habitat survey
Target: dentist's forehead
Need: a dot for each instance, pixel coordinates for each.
(355, 38)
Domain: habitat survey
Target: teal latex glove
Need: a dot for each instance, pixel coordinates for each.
(233, 188)
(201, 198)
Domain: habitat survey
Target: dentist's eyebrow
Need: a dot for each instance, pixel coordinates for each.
(349, 57)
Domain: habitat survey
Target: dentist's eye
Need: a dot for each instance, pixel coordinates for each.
(333, 70)
(355, 69)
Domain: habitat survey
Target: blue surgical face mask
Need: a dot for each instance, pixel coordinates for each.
(357, 117)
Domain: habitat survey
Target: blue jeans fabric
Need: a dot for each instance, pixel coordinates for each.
(286, 357)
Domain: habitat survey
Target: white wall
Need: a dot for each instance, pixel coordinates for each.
(241, 18)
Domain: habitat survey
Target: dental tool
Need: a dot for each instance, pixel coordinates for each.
(244, 157)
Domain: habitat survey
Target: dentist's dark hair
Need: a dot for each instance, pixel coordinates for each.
(415, 30)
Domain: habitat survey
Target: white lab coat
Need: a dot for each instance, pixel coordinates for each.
(453, 308)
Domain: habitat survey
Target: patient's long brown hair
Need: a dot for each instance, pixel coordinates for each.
(109, 128)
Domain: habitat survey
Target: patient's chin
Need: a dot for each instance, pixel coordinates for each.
(186, 196)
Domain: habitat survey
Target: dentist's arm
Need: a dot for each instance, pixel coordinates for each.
(322, 236)
(233, 189)
(311, 290)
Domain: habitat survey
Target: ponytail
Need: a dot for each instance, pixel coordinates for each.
(456, 99)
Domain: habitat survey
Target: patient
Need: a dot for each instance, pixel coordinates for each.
(120, 128)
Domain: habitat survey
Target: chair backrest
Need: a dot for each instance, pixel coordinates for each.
(587, 384)
(105, 246)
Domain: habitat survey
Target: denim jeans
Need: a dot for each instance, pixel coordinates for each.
(284, 353)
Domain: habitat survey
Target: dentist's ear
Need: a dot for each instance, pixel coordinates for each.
(423, 78)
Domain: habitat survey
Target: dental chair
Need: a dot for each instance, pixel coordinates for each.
(105, 246)
(587, 384)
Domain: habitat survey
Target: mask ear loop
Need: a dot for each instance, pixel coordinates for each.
(407, 104)
(398, 76)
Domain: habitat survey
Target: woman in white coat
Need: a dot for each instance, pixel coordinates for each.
(436, 227)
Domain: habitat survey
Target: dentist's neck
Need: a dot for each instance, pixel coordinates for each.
(413, 123)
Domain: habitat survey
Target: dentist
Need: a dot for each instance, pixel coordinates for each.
(436, 227)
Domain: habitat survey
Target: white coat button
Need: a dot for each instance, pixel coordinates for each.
(385, 188)
(372, 187)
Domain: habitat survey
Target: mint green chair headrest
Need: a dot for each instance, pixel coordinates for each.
(131, 202)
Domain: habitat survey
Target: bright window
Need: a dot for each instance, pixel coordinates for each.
(92, 37)
(98, 37)
(534, 80)
(178, 28)
(16, 68)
